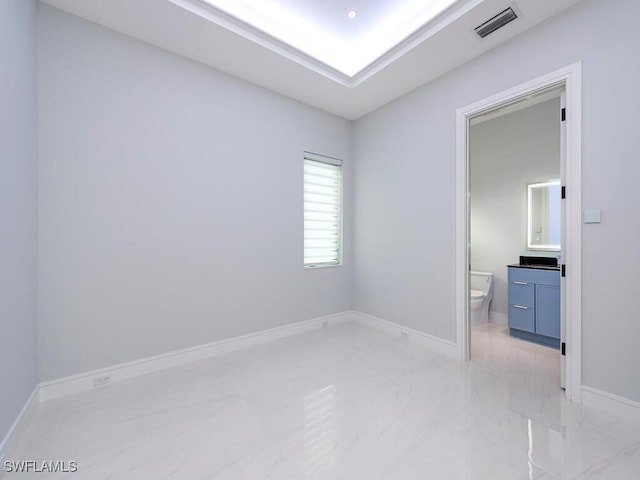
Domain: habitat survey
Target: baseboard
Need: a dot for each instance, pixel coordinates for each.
(116, 373)
(443, 346)
(17, 428)
(124, 371)
(608, 402)
(498, 318)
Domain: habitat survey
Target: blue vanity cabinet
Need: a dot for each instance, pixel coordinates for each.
(534, 305)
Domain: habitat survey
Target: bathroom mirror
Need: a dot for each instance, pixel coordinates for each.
(543, 215)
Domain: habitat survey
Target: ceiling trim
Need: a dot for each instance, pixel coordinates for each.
(237, 26)
(258, 36)
(440, 22)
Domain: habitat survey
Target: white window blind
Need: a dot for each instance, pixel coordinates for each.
(322, 211)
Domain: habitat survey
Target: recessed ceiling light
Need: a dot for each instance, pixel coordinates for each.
(352, 14)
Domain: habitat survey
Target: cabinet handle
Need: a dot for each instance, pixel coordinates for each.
(521, 283)
(520, 307)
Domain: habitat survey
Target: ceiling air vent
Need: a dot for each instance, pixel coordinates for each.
(494, 23)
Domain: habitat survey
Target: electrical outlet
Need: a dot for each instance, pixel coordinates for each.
(404, 335)
(325, 324)
(101, 380)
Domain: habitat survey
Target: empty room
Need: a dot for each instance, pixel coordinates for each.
(292, 239)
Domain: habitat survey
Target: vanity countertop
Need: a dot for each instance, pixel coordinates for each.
(536, 262)
(537, 267)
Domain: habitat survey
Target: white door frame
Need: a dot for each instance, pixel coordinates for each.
(571, 78)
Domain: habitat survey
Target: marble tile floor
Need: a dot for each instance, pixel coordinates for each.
(345, 402)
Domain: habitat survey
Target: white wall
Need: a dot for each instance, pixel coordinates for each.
(405, 185)
(506, 154)
(18, 216)
(170, 202)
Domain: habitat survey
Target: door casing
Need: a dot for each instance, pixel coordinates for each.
(570, 79)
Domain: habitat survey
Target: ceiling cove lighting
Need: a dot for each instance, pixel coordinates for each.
(344, 46)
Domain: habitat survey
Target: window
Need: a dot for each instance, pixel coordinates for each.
(322, 211)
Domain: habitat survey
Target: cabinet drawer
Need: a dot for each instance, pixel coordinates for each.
(522, 318)
(533, 275)
(521, 294)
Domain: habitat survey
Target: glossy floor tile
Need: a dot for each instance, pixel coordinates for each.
(346, 402)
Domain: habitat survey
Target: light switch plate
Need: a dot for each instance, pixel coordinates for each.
(592, 216)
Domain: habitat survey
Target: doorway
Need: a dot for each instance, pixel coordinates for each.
(567, 80)
(514, 210)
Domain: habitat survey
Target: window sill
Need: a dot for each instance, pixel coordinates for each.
(329, 265)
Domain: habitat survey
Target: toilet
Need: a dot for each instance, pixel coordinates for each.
(480, 297)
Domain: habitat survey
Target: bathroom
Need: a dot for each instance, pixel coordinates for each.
(514, 151)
